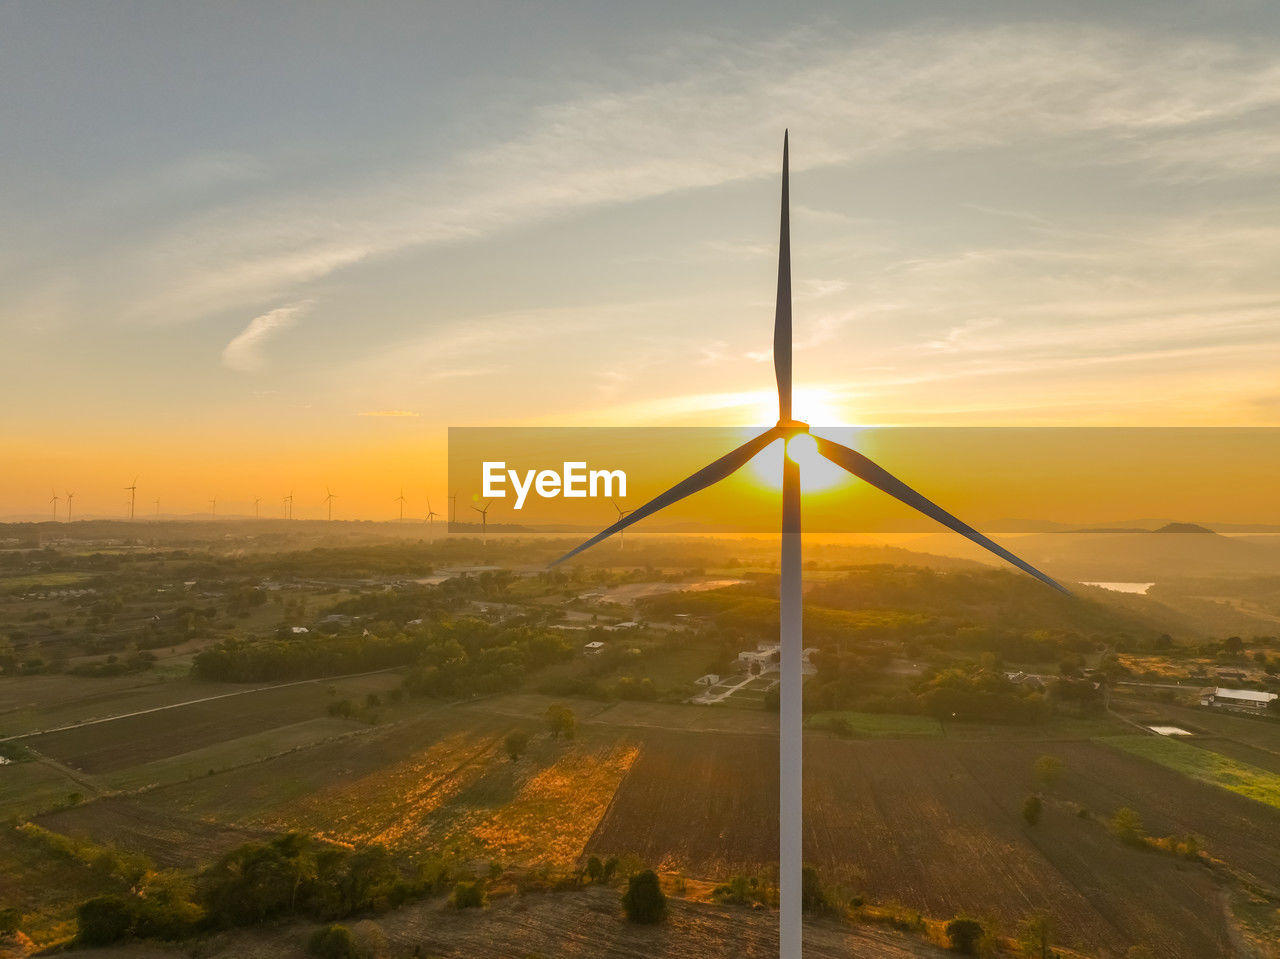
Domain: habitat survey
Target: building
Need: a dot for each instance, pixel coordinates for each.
(1246, 700)
(593, 648)
(766, 658)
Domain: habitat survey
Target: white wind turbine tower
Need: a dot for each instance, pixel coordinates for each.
(213, 508)
(70, 495)
(401, 500)
(328, 500)
(431, 522)
(484, 522)
(791, 716)
(256, 501)
(622, 514)
(54, 499)
(133, 495)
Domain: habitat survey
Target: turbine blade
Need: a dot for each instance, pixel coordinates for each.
(707, 476)
(782, 312)
(881, 479)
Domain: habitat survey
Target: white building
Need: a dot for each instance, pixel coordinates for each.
(593, 648)
(1249, 700)
(765, 658)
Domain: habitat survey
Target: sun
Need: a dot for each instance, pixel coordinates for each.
(819, 408)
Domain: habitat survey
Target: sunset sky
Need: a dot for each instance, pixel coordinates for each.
(249, 248)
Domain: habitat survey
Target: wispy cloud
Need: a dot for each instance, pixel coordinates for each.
(244, 353)
(391, 413)
(713, 118)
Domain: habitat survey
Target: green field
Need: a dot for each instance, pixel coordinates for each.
(1204, 765)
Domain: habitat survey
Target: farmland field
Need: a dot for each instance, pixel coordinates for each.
(936, 826)
(132, 740)
(1206, 765)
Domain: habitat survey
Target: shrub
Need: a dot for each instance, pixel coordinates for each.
(103, 921)
(469, 895)
(644, 900)
(1127, 826)
(516, 743)
(333, 942)
(595, 869)
(1032, 810)
(963, 935)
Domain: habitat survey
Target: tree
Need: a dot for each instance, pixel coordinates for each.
(595, 869)
(812, 896)
(561, 721)
(103, 921)
(10, 920)
(963, 935)
(517, 742)
(1233, 645)
(1128, 827)
(1047, 769)
(644, 900)
(1032, 809)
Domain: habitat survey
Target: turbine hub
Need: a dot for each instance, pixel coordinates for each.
(792, 428)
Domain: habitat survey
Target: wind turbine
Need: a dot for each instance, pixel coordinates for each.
(54, 500)
(328, 500)
(431, 522)
(484, 521)
(157, 508)
(453, 508)
(213, 508)
(70, 494)
(792, 431)
(622, 514)
(256, 501)
(401, 500)
(133, 495)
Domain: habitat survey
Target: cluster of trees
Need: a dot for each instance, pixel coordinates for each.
(301, 657)
(290, 876)
(977, 694)
(469, 656)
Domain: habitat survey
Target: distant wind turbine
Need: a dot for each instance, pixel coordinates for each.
(329, 501)
(70, 495)
(133, 495)
(431, 522)
(213, 507)
(256, 501)
(157, 508)
(54, 499)
(484, 521)
(401, 500)
(795, 433)
(622, 514)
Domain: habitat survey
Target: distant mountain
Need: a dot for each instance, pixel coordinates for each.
(1184, 528)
